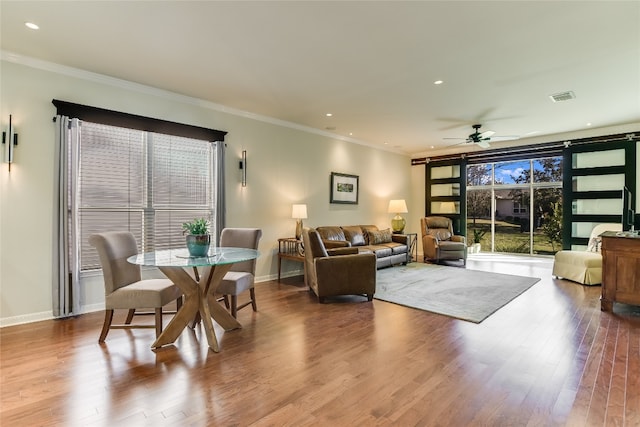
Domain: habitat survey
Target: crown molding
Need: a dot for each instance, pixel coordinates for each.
(173, 96)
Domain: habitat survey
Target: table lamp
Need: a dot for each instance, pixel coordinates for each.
(299, 212)
(398, 222)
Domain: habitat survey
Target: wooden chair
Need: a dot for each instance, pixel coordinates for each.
(241, 277)
(123, 286)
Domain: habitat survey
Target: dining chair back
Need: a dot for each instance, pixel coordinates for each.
(241, 276)
(123, 286)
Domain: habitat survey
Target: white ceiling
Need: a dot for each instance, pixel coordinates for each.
(371, 64)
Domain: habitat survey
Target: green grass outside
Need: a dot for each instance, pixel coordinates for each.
(509, 238)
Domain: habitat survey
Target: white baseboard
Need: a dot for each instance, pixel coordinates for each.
(45, 315)
(48, 315)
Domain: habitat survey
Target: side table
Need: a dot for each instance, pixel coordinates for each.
(289, 248)
(412, 243)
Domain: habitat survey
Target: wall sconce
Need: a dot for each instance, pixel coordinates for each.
(398, 222)
(243, 168)
(9, 140)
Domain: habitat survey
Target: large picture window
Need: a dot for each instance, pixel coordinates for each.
(516, 206)
(142, 182)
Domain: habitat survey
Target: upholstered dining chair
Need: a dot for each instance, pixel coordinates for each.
(439, 242)
(241, 277)
(123, 286)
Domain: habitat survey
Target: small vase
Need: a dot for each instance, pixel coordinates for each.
(198, 244)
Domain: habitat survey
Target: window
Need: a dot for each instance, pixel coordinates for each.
(516, 205)
(143, 182)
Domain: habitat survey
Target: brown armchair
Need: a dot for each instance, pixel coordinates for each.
(341, 272)
(439, 242)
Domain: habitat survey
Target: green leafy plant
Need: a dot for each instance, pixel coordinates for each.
(198, 226)
(478, 234)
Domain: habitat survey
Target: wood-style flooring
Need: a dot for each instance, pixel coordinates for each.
(550, 357)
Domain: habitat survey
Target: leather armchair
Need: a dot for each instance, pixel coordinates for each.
(344, 271)
(439, 242)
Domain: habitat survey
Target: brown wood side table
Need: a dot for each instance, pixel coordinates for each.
(289, 248)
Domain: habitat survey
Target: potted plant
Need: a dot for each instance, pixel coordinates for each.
(478, 234)
(198, 237)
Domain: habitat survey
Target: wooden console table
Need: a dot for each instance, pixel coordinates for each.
(620, 270)
(289, 248)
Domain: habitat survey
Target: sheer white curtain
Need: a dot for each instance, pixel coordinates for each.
(66, 272)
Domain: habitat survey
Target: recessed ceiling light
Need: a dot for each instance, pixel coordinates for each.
(32, 25)
(433, 146)
(329, 114)
(588, 124)
(350, 133)
(438, 82)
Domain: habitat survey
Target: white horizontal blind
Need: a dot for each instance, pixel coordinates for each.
(141, 182)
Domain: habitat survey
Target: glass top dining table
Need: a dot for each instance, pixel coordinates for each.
(199, 290)
(180, 257)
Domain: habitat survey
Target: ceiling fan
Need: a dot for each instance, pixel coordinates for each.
(482, 139)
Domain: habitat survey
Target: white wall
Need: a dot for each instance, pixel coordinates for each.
(286, 165)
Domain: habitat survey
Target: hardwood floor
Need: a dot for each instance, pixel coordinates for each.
(550, 357)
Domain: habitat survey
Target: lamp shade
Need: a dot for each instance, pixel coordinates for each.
(448, 207)
(398, 206)
(299, 212)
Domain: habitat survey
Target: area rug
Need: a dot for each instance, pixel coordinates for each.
(453, 291)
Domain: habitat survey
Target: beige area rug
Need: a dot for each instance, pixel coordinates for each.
(456, 292)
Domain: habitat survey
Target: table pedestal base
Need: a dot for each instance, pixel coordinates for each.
(199, 299)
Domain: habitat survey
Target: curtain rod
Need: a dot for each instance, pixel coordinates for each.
(548, 146)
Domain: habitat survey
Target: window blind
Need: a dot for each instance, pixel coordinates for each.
(142, 182)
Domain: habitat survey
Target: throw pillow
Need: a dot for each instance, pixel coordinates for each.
(378, 237)
(595, 244)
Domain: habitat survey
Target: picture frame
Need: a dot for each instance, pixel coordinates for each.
(344, 188)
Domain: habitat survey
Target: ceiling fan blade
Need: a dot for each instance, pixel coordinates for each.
(484, 144)
(506, 137)
(487, 134)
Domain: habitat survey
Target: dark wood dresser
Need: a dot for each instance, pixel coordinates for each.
(620, 270)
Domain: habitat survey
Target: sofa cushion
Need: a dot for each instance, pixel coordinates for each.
(379, 237)
(595, 244)
(331, 233)
(365, 232)
(354, 235)
(381, 251)
(397, 248)
(439, 233)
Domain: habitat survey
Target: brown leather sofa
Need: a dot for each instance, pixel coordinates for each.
(390, 249)
(339, 271)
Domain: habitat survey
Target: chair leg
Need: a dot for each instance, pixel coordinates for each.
(158, 321)
(225, 298)
(252, 292)
(108, 317)
(179, 303)
(130, 314)
(234, 306)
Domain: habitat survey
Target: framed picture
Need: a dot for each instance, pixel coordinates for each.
(344, 188)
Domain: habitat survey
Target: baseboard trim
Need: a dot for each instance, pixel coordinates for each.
(45, 315)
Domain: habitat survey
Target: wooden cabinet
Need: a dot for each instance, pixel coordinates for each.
(620, 270)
